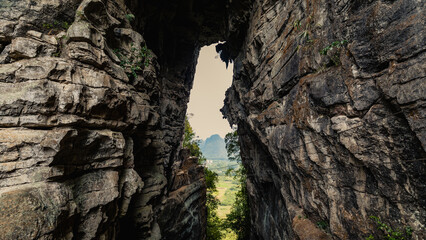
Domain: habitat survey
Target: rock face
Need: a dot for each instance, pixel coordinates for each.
(332, 138)
(91, 127)
(93, 96)
(187, 184)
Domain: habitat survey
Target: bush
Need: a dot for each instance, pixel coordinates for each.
(388, 233)
(238, 219)
(190, 143)
(135, 60)
(214, 224)
(335, 57)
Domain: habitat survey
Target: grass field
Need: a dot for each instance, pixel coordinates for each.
(226, 189)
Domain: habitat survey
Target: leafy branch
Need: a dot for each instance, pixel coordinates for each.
(304, 37)
(130, 17)
(389, 233)
(334, 45)
(135, 60)
(238, 219)
(56, 26)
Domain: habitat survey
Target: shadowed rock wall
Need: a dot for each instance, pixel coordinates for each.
(335, 137)
(91, 149)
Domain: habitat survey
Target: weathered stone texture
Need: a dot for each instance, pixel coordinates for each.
(187, 183)
(87, 149)
(341, 136)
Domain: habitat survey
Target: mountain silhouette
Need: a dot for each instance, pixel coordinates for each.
(214, 148)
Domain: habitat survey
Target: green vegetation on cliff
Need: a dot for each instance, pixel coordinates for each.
(388, 233)
(190, 143)
(231, 199)
(214, 225)
(239, 218)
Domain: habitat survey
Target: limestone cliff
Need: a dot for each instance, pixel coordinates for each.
(91, 126)
(329, 98)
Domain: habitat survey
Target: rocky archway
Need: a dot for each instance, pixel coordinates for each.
(329, 100)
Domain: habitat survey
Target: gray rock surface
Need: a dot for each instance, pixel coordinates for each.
(332, 138)
(89, 149)
(90, 141)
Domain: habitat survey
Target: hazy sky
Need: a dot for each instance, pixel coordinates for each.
(211, 81)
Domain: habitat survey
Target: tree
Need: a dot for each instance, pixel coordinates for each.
(233, 146)
(239, 218)
(191, 143)
(214, 224)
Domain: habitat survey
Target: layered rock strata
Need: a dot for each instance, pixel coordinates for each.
(329, 98)
(91, 127)
(187, 191)
(328, 95)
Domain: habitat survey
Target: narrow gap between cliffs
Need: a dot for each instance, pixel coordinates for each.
(205, 135)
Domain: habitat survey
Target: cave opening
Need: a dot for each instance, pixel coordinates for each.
(179, 34)
(328, 97)
(211, 80)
